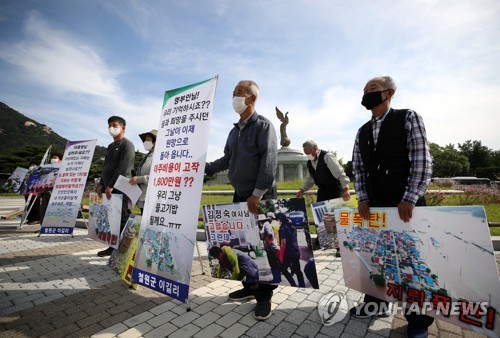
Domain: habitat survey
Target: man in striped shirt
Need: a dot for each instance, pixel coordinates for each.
(392, 167)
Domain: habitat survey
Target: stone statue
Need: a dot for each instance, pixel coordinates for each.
(285, 141)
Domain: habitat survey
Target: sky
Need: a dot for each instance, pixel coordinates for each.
(72, 64)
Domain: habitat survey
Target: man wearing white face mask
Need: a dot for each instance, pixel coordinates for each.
(119, 161)
(326, 172)
(251, 155)
(142, 171)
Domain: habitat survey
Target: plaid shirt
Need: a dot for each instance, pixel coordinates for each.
(419, 156)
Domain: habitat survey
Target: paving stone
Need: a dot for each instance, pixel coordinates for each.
(206, 319)
(261, 329)
(213, 330)
(184, 319)
(235, 330)
(284, 329)
(229, 319)
(186, 331)
(356, 328)
(308, 329)
(136, 320)
(136, 331)
(161, 331)
(162, 318)
(111, 331)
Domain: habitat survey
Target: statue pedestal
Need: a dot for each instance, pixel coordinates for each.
(292, 164)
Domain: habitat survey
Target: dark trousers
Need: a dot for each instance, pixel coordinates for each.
(34, 214)
(45, 198)
(125, 209)
(261, 292)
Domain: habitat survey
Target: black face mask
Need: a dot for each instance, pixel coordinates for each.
(373, 99)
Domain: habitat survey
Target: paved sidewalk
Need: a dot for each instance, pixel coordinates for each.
(56, 286)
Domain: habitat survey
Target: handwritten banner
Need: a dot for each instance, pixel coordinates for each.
(69, 185)
(169, 222)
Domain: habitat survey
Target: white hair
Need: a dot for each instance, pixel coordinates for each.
(310, 144)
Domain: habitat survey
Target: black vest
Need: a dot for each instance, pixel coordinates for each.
(329, 186)
(386, 165)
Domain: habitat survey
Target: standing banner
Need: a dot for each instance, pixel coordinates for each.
(324, 220)
(13, 183)
(261, 248)
(168, 228)
(41, 179)
(441, 263)
(122, 260)
(104, 218)
(67, 193)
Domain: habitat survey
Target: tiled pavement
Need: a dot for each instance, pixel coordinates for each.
(56, 286)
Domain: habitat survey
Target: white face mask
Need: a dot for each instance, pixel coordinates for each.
(310, 157)
(239, 105)
(32, 167)
(148, 145)
(114, 132)
(54, 161)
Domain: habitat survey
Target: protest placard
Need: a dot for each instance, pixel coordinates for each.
(168, 229)
(67, 192)
(122, 260)
(105, 218)
(324, 220)
(13, 183)
(441, 263)
(261, 248)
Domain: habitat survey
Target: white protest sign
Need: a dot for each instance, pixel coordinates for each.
(68, 188)
(168, 228)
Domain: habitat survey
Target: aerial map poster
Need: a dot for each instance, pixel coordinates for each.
(272, 247)
(442, 262)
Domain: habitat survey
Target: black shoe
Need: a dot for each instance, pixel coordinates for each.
(337, 253)
(372, 310)
(262, 310)
(106, 252)
(242, 294)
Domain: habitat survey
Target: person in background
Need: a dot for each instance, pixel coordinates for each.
(327, 173)
(55, 159)
(392, 167)
(119, 160)
(251, 157)
(142, 171)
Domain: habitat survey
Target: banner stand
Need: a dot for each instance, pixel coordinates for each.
(27, 210)
(199, 258)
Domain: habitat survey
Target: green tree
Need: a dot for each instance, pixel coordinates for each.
(448, 161)
(478, 155)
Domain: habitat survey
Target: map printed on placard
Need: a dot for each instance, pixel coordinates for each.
(105, 218)
(441, 263)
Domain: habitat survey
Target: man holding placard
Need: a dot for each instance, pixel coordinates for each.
(251, 156)
(119, 161)
(392, 167)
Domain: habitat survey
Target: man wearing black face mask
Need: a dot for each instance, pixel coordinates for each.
(392, 167)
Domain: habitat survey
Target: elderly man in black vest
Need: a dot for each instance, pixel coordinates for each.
(392, 168)
(326, 172)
